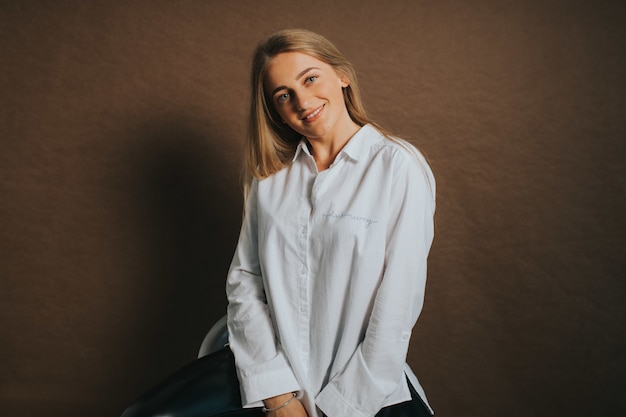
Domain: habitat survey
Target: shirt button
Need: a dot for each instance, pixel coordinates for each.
(303, 271)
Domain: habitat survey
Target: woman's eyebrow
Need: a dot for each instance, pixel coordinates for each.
(300, 75)
(305, 71)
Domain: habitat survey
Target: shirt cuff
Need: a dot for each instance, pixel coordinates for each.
(258, 387)
(332, 403)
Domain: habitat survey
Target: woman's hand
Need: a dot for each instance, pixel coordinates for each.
(293, 409)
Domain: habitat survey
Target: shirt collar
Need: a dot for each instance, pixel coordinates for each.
(357, 147)
(302, 147)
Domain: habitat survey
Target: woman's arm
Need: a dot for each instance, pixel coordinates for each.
(262, 368)
(377, 366)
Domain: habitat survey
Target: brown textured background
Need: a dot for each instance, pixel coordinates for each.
(121, 127)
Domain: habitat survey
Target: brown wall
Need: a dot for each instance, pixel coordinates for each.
(121, 127)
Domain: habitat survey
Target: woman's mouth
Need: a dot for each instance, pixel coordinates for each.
(314, 115)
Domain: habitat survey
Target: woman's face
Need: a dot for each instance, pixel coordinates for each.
(307, 94)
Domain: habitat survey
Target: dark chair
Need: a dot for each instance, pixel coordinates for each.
(207, 387)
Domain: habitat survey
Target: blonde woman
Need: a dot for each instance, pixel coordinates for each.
(328, 277)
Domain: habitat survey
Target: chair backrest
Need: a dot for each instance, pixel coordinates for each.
(215, 339)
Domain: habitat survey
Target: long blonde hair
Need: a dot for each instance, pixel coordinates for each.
(271, 144)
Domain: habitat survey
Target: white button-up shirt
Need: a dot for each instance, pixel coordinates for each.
(328, 278)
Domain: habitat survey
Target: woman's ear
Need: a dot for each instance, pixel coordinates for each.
(344, 81)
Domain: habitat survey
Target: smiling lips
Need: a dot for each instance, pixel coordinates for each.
(314, 116)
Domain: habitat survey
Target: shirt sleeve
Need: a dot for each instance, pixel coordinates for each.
(376, 368)
(262, 367)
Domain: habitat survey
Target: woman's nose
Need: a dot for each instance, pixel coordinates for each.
(302, 101)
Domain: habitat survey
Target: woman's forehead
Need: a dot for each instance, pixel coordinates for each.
(291, 66)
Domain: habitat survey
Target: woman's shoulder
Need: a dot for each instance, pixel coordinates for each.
(395, 147)
(404, 158)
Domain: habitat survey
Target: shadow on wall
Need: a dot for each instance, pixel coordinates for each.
(186, 208)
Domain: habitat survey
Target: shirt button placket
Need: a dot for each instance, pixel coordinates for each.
(303, 284)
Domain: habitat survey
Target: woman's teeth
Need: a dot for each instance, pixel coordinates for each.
(315, 113)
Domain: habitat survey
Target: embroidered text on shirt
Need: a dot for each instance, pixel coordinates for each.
(365, 220)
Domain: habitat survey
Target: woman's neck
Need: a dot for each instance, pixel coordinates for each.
(326, 149)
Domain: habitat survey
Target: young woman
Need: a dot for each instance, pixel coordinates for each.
(328, 277)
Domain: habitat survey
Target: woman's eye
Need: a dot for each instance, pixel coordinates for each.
(311, 78)
(282, 97)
